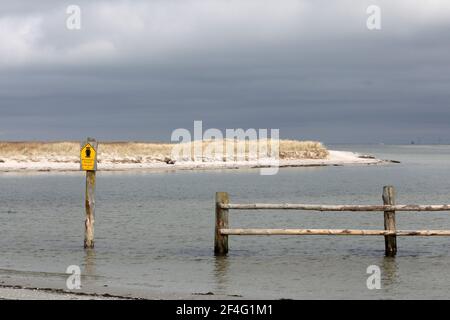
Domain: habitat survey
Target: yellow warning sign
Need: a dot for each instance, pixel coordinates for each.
(88, 156)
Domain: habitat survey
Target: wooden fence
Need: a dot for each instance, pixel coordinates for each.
(390, 232)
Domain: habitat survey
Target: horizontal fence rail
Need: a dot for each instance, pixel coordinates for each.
(222, 230)
(334, 232)
(318, 207)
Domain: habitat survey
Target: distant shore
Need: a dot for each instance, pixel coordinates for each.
(334, 158)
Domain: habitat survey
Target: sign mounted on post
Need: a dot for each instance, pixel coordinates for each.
(88, 163)
(88, 155)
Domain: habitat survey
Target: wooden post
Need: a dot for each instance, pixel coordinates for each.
(389, 221)
(90, 209)
(88, 163)
(220, 240)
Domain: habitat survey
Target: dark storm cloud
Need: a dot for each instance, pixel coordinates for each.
(139, 69)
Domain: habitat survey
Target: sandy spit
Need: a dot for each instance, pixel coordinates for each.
(335, 158)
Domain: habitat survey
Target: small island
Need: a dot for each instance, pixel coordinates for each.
(148, 156)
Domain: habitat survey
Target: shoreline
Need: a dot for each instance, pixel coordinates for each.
(17, 292)
(335, 158)
(27, 292)
(38, 285)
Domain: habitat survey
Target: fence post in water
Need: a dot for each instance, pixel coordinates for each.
(88, 156)
(220, 240)
(389, 221)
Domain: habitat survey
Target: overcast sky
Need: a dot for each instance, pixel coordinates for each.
(137, 70)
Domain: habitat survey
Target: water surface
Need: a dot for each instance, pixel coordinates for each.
(154, 231)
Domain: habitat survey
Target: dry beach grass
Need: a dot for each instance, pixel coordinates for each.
(146, 152)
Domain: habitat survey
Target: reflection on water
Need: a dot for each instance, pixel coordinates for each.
(389, 269)
(155, 231)
(221, 269)
(89, 262)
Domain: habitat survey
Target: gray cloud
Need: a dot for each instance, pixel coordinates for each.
(139, 69)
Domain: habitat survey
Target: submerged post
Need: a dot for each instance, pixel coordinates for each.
(90, 209)
(220, 240)
(88, 163)
(389, 221)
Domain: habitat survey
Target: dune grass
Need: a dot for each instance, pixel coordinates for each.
(122, 152)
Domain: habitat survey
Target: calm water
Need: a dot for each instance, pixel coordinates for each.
(154, 231)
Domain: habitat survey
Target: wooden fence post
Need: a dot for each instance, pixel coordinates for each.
(220, 240)
(389, 221)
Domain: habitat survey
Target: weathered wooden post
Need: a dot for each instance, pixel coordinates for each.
(88, 163)
(389, 221)
(220, 240)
